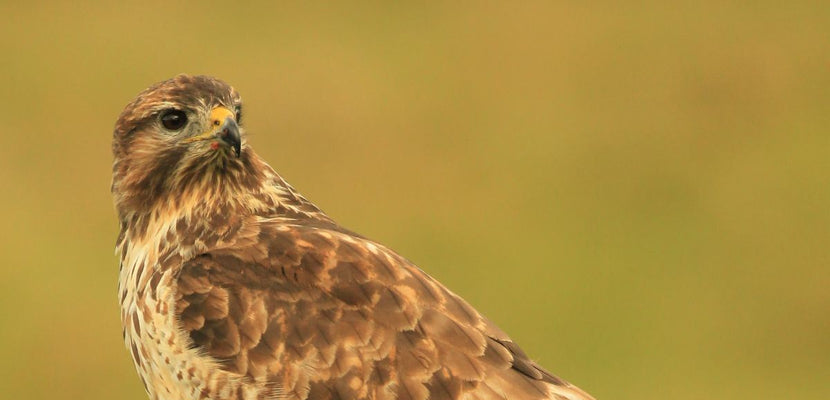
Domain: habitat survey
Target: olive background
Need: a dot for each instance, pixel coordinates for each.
(638, 192)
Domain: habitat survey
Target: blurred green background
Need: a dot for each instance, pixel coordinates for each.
(639, 193)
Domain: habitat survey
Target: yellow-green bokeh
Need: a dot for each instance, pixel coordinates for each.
(639, 192)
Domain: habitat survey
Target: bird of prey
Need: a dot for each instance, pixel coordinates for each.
(234, 286)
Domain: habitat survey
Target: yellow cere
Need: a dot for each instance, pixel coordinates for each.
(217, 117)
(219, 114)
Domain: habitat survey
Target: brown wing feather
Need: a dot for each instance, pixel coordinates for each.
(320, 313)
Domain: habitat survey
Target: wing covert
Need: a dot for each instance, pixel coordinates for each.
(320, 313)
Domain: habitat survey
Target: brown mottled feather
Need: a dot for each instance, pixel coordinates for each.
(353, 314)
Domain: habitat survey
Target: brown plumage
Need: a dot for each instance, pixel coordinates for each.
(234, 286)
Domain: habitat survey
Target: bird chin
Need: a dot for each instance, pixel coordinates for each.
(219, 154)
(209, 150)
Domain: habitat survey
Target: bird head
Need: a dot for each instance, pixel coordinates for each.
(179, 136)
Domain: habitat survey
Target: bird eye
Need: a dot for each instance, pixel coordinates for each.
(238, 115)
(173, 119)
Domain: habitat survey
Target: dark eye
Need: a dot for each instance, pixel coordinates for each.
(238, 115)
(173, 119)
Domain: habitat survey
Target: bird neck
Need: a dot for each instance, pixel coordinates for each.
(203, 216)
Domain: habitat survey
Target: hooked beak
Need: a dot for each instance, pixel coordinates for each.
(223, 126)
(228, 132)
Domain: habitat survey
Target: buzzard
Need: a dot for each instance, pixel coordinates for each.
(233, 286)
